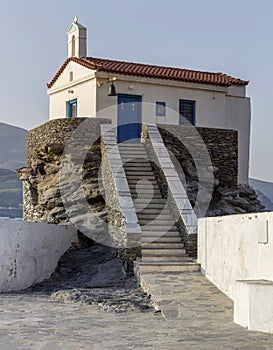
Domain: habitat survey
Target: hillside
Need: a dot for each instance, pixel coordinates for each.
(13, 146)
(10, 194)
(13, 155)
(264, 191)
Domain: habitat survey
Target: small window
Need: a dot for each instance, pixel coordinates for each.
(186, 111)
(70, 76)
(161, 109)
(73, 46)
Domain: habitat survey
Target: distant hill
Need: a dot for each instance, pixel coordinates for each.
(13, 147)
(264, 191)
(11, 198)
(13, 155)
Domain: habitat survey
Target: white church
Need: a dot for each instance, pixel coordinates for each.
(85, 86)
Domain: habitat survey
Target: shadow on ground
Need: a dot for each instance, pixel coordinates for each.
(94, 276)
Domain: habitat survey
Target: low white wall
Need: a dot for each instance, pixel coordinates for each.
(29, 252)
(236, 247)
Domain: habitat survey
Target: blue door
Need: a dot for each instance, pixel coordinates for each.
(129, 118)
(72, 109)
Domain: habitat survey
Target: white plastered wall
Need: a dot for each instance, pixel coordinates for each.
(238, 113)
(84, 90)
(236, 247)
(29, 252)
(210, 101)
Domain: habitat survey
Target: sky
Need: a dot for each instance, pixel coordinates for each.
(234, 37)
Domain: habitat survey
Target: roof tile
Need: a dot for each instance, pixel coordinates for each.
(151, 71)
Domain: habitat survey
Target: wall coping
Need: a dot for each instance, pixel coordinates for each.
(126, 205)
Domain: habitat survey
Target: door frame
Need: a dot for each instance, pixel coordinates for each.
(70, 105)
(139, 98)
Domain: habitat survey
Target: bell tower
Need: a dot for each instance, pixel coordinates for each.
(77, 40)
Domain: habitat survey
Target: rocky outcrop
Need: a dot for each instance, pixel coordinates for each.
(42, 190)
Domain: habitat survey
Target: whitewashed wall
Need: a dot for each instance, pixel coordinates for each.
(210, 101)
(238, 113)
(216, 106)
(29, 252)
(236, 247)
(83, 87)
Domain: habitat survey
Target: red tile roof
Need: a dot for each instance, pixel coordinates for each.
(150, 71)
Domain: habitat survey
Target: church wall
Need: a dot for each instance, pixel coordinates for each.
(82, 88)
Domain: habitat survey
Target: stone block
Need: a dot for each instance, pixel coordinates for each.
(253, 305)
(189, 219)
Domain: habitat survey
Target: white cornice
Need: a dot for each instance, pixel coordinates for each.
(141, 80)
(163, 82)
(71, 84)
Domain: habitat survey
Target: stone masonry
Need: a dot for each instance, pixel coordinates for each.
(222, 145)
(41, 190)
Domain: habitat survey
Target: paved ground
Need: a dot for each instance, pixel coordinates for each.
(195, 315)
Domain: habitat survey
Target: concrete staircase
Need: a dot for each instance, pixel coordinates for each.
(162, 248)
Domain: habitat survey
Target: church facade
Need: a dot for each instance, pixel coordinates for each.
(132, 93)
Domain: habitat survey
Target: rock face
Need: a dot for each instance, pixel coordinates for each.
(42, 189)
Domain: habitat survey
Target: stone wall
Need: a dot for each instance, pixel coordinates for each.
(228, 196)
(41, 179)
(221, 144)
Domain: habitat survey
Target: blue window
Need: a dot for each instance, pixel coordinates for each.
(72, 109)
(186, 112)
(161, 109)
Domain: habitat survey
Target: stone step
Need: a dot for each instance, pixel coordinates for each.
(160, 252)
(149, 182)
(141, 201)
(137, 164)
(158, 234)
(147, 196)
(133, 155)
(131, 146)
(132, 150)
(144, 187)
(150, 208)
(158, 267)
(163, 239)
(140, 190)
(133, 158)
(165, 258)
(137, 178)
(137, 167)
(139, 173)
(150, 216)
(137, 170)
(159, 228)
(153, 207)
(169, 222)
(163, 245)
